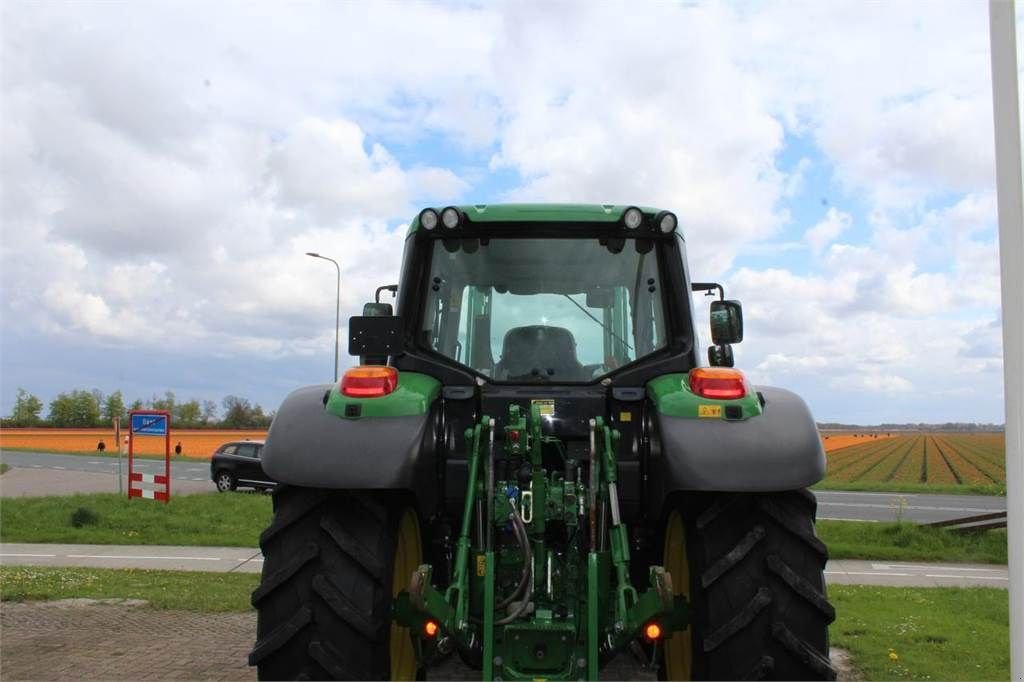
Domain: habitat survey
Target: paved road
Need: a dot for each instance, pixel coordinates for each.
(198, 470)
(920, 508)
(242, 559)
(832, 504)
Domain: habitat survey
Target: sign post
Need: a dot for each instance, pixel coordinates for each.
(149, 423)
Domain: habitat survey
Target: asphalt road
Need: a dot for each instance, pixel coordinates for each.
(832, 504)
(249, 560)
(197, 470)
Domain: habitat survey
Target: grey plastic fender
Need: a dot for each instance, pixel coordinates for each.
(308, 446)
(777, 450)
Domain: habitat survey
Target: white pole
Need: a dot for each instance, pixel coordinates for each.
(1010, 187)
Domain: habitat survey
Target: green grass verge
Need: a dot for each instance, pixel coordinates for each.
(217, 519)
(934, 633)
(917, 488)
(190, 591)
(237, 519)
(910, 542)
(4, 466)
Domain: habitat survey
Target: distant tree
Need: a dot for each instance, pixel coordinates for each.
(113, 406)
(26, 409)
(188, 415)
(77, 408)
(166, 403)
(137, 404)
(209, 416)
(238, 412)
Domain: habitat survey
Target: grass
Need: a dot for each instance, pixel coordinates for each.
(892, 633)
(919, 488)
(931, 633)
(189, 591)
(237, 519)
(4, 466)
(213, 519)
(910, 542)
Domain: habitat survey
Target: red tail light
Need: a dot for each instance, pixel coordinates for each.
(718, 383)
(369, 381)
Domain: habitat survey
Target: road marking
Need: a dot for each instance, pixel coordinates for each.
(969, 577)
(887, 567)
(903, 575)
(128, 556)
(61, 468)
(48, 556)
(37, 466)
(868, 505)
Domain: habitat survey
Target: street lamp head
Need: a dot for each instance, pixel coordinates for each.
(314, 255)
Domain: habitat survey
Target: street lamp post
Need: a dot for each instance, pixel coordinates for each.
(337, 309)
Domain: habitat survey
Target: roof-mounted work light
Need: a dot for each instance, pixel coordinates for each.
(666, 222)
(428, 218)
(632, 218)
(451, 217)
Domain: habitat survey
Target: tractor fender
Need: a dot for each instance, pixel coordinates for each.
(779, 449)
(308, 446)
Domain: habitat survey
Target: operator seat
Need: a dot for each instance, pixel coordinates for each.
(538, 351)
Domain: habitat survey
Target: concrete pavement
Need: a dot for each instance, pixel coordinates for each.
(249, 560)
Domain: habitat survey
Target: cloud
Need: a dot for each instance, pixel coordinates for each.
(165, 170)
(826, 231)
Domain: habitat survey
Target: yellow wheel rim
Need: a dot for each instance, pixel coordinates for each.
(678, 648)
(408, 556)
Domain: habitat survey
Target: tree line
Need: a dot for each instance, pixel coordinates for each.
(83, 409)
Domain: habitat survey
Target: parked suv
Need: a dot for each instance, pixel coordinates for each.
(238, 464)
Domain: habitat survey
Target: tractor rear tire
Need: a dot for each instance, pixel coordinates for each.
(752, 568)
(333, 561)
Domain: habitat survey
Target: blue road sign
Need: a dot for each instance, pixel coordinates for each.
(149, 424)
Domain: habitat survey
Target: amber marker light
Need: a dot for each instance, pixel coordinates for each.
(430, 628)
(718, 383)
(369, 381)
(652, 632)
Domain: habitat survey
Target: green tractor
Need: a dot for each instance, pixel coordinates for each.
(532, 468)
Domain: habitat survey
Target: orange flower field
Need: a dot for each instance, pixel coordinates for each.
(197, 443)
(835, 441)
(942, 458)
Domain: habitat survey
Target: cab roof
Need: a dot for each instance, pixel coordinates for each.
(506, 213)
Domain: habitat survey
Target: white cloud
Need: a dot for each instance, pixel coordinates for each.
(165, 166)
(826, 231)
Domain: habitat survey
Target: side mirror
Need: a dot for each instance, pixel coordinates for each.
(726, 322)
(720, 356)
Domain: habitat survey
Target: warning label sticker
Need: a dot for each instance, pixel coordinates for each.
(545, 407)
(709, 410)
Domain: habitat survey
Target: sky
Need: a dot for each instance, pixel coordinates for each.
(165, 166)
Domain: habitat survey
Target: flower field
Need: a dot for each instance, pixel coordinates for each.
(930, 458)
(198, 443)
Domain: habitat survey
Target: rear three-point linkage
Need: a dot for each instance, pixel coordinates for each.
(534, 532)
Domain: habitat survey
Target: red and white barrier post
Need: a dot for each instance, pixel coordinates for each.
(149, 423)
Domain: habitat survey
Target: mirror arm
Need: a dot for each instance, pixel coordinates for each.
(393, 288)
(709, 287)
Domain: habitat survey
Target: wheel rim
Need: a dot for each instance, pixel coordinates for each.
(408, 556)
(678, 647)
(224, 482)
